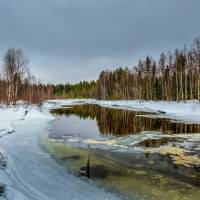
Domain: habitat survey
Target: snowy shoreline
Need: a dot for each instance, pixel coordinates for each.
(10, 115)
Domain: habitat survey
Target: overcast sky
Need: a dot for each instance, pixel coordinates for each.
(72, 40)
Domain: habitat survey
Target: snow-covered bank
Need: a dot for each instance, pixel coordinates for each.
(188, 112)
(8, 117)
(31, 173)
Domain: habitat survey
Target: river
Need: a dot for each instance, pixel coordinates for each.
(133, 155)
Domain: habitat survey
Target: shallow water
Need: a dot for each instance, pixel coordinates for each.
(126, 147)
(131, 180)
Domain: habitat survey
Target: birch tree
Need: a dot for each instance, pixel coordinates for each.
(14, 65)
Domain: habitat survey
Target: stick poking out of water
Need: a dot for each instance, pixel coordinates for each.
(88, 162)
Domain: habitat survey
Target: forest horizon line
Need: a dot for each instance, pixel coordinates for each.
(174, 76)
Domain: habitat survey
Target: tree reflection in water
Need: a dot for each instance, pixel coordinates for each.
(120, 122)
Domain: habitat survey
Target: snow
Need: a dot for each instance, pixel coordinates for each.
(31, 173)
(8, 116)
(188, 112)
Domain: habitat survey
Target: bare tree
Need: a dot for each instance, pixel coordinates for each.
(14, 64)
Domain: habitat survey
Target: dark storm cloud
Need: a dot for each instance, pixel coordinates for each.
(75, 39)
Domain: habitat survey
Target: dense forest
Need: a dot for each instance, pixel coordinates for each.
(174, 76)
(83, 89)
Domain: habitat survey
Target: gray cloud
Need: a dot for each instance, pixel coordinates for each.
(69, 40)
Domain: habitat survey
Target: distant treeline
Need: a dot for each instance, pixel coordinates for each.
(175, 76)
(16, 82)
(83, 89)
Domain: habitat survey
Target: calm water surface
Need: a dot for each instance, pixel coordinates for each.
(116, 163)
(96, 121)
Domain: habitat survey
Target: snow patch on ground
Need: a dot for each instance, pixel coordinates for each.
(8, 116)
